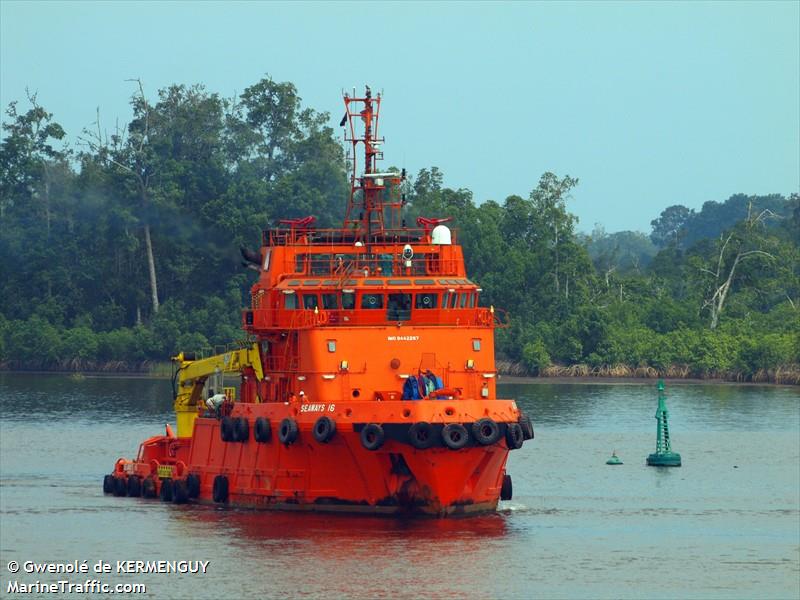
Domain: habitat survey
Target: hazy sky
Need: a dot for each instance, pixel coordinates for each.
(648, 104)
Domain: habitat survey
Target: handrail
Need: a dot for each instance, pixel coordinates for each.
(260, 319)
(283, 236)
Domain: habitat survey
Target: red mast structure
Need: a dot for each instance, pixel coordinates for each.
(374, 197)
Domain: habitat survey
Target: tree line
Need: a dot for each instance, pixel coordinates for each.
(119, 247)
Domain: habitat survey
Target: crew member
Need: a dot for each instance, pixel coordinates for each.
(214, 402)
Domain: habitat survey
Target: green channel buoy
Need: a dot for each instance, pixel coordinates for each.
(614, 460)
(663, 456)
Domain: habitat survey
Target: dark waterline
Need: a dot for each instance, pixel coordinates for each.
(725, 525)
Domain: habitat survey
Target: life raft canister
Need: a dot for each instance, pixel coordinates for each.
(287, 434)
(372, 436)
(324, 429)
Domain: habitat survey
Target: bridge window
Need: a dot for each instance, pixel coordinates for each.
(463, 303)
(453, 299)
(310, 301)
(300, 263)
(398, 307)
(320, 264)
(330, 301)
(348, 300)
(425, 301)
(372, 301)
(290, 301)
(472, 299)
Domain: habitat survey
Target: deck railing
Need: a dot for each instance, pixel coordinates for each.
(260, 319)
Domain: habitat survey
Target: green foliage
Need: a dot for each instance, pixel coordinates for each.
(201, 175)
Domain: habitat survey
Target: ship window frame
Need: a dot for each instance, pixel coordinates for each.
(326, 304)
(453, 299)
(473, 300)
(290, 299)
(299, 263)
(331, 346)
(363, 301)
(462, 300)
(320, 263)
(351, 303)
(419, 299)
(399, 313)
(476, 344)
(313, 297)
(445, 299)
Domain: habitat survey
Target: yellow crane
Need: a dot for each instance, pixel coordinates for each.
(191, 375)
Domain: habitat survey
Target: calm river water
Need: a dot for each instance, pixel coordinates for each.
(725, 525)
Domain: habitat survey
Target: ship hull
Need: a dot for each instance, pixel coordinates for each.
(338, 474)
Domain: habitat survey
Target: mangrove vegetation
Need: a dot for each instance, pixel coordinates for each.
(120, 245)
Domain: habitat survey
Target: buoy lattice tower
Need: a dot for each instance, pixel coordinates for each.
(663, 456)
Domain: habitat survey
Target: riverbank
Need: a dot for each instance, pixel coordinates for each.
(509, 372)
(788, 374)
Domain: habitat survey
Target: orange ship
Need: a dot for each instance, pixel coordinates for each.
(368, 383)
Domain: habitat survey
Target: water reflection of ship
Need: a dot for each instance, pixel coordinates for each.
(336, 531)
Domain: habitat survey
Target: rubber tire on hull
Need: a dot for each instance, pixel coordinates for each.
(108, 484)
(514, 436)
(226, 429)
(507, 490)
(241, 429)
(120, 486)
(219, 492)
(455, 436)
(180, 492)
(527, 425)
(420, 435)
(372, 437)
(485, 431)
(262, 431)
(166, 490)
(324, 430)
(287, 434)
(193, 485)
(134, 486)
(149, 488)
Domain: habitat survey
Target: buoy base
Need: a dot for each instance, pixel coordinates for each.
(665, 459)
(614, 460)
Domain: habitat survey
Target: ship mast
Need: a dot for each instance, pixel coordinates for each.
(374, 196)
